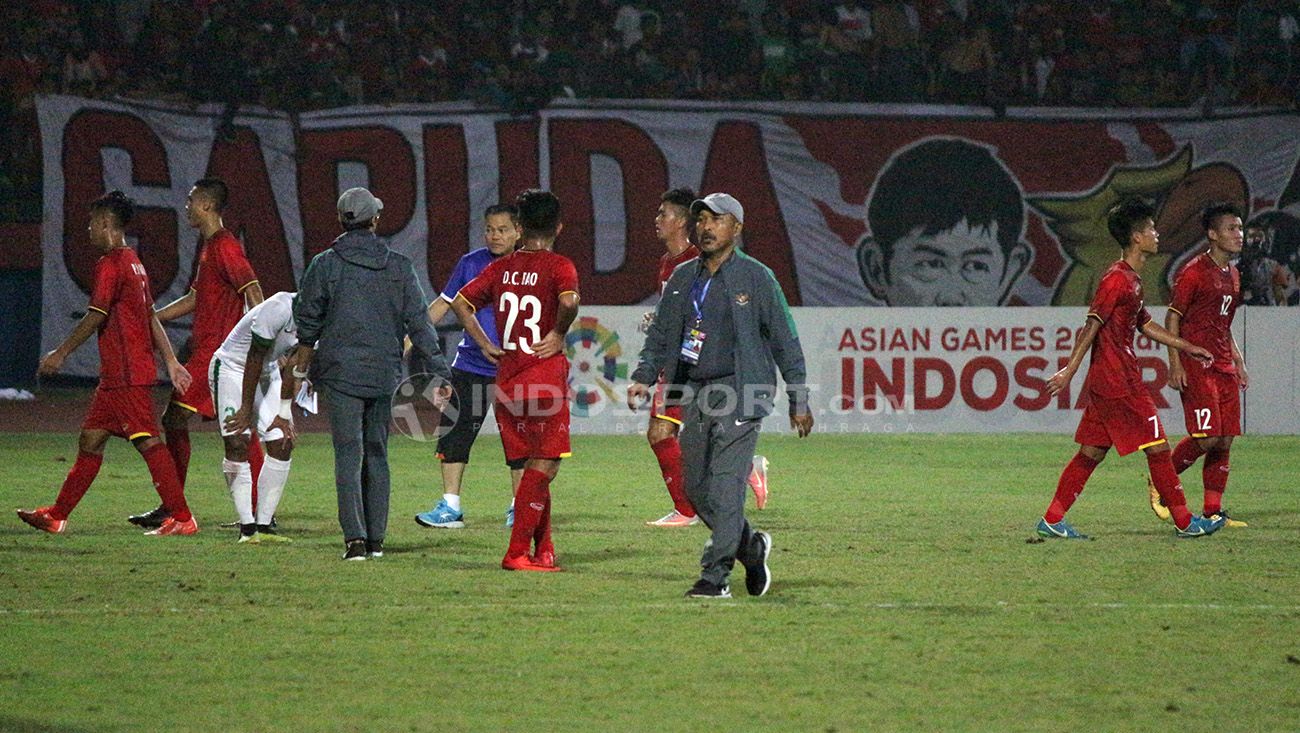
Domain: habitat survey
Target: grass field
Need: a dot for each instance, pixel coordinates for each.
(905, 597)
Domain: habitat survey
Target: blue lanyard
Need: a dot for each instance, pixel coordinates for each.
(698, 294)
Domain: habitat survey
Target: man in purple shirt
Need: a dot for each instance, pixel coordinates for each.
(472, 375)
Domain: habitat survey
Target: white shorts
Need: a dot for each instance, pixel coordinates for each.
(226, 382)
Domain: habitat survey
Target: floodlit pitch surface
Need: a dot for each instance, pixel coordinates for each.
(905, 597)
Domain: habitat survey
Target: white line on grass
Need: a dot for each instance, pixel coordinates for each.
(999, 605)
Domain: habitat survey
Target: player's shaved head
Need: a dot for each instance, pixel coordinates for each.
(116, 203)
(539, 213)
(1212, 213)
(215, 191)
(682, 197)
(1128, 217)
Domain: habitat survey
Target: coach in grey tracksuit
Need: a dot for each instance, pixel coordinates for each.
(355, 303)
(718, 335)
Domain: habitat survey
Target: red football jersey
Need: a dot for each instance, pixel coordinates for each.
(125, 343)
(1113, 370)
(1206, 297)
(219, 283)
(668, 263)
(525, 288)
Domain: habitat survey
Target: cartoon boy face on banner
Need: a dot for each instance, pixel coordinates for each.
(945, 221)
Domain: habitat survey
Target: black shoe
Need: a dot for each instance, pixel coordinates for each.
(705, 589)
(374, 548)
(247, 530)
(356, 550)
(152, 519)
(757, 577)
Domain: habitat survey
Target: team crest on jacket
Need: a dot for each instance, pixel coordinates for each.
(742, 298)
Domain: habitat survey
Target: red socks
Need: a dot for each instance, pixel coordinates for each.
(1073, 478)
(1165, 479)
(255, 457)
(165, 481)
(531, 502)
(178, 445)
(542, 535)
(669, 453)
(1186, 453)
(1215, 475)
(74, 486)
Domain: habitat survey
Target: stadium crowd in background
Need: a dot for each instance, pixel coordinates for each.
(299, 55)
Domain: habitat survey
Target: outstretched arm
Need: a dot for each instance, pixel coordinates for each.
(85, 328)
(1061, 379)
(1157, 333)
(182, 306)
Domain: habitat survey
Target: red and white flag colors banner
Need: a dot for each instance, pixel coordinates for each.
(850, 205)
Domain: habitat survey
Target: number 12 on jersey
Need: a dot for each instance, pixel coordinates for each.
(515, 307)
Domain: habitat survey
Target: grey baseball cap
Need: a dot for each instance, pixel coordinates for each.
(720, 203)
(357, 205)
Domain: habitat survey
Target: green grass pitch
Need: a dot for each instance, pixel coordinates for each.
(905, 597)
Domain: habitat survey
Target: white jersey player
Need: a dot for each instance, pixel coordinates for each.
(246, 382)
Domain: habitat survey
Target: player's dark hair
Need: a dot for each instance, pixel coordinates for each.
(933, 186)
(1216, 210)
(117, 204)
(1125, 217)
(682, 197)
(357, 225)
(216, 190)
(539, 213)
(495, 209)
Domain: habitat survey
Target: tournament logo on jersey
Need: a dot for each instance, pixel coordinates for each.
(595, 364)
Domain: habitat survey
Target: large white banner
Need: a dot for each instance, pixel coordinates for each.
(929, 370)
(849, 205)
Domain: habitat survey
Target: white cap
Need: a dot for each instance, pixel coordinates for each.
(720, 203)
(357, 205)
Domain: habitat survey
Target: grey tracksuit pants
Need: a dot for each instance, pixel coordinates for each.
(717, 453)
(359, 426)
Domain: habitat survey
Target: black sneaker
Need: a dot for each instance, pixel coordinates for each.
(152, 519)
(705, 589)
(374, 549)
(356, 550)
(757, 577)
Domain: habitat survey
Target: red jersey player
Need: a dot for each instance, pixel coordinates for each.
(535, 294)
(1206, 293)
(224, 286)
(1119, 409)
(672, 227)
(121, 311)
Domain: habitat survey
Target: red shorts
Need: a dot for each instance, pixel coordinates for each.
(1130, 423)
(1211, 403)
(536, 428)
(198, 398)
(671, 413)
(126, 412)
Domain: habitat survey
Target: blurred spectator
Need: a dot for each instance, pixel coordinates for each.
(516, 55)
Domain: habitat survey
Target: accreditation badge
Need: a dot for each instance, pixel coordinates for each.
(692, 344)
